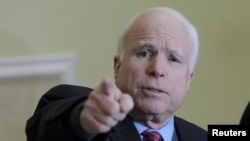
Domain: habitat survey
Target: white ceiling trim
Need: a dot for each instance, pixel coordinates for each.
(61, 66)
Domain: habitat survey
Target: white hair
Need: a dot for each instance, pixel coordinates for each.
(190, 30)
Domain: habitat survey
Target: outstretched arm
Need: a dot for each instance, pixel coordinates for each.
(50, 120)
(69, 112)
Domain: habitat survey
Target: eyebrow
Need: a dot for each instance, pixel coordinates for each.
(151, 46)
(146, 46)
(173, 51)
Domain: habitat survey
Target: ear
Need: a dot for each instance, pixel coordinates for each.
(190, 78)
(117, 64)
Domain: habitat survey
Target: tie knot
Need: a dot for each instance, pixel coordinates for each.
(152, 136)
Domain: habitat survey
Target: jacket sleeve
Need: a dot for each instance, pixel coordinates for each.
(50, 120)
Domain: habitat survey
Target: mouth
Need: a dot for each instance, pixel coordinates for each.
(153, 90)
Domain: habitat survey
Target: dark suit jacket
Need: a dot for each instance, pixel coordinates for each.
(245, 118)
(50, 121)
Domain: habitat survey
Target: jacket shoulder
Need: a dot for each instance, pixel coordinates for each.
(67, 90)
(189, 131)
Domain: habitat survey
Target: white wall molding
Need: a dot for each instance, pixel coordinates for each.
(61, 66)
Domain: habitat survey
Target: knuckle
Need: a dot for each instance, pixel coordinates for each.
(112, 109)
(103, 128)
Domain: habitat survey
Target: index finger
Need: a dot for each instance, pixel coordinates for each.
(109, 88)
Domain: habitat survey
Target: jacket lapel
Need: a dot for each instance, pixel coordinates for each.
(125, 131)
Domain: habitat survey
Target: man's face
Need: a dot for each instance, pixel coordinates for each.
(155, 67)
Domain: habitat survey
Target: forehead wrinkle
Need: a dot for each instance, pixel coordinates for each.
(161, 40)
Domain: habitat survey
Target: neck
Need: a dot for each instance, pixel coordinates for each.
(152, 121)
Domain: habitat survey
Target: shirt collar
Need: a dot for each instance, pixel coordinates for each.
(166, 131)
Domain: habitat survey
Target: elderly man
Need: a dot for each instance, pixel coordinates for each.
(153, 70)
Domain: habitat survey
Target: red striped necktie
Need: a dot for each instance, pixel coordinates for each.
(151, 135)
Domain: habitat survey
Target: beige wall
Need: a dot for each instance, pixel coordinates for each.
(89, 29)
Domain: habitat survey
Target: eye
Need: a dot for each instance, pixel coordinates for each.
(172, 58)
(143, 54)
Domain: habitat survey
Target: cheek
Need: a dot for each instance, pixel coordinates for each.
(178, 84)
(180, 88)
(135, 78)
(128, 76)
(180, 79)
(133, 69)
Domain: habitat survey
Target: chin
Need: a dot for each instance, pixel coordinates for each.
(154, 110)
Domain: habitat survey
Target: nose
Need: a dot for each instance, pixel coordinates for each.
(157, 66)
